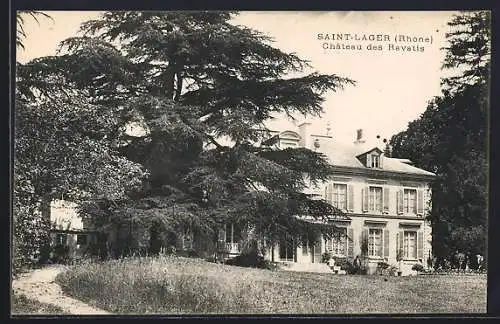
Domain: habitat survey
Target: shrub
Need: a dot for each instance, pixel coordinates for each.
(392, 270)
(211, 258)
(251, 259)
(348, 266)
(30, 233)
(385, 268)
(383, 265)
(418, 267)
(171, 250)
(325, 257)
(60, 254)
(193, 254)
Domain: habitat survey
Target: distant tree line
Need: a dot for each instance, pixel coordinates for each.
(451, 139)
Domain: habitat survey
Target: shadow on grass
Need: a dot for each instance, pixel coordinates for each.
(22, 305)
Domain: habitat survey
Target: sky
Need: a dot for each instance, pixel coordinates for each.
(392, 86)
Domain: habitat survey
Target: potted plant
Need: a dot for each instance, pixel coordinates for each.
(399, 258)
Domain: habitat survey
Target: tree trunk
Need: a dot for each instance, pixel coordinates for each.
(45, 246)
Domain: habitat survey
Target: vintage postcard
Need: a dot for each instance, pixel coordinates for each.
(281, 163)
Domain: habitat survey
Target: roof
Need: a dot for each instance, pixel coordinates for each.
(407, 161)
(375, 149)
(397, 165)
(339, 154)
(346, 154)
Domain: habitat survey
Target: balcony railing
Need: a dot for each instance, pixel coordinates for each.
(233, 247)
(230, 247)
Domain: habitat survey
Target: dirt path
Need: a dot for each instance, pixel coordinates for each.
(40, 285)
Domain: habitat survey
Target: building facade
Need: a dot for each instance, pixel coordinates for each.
(385, 201)
(68, 230)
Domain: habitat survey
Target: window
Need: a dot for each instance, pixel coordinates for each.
(233, 233)
(375, 161)
(81, 239)
(375, 199)
(410, 245)
(339, 196)
(410, 201)
(374, 241)
(286, 249)
(305, 246)
(337, 245)
(61, 239)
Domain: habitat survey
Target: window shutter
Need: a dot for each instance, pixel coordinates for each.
(381, 161)
(350, 198)
(329, 191)
(364, 194)
(401, 241)
(420, 245)
(369, 160)
(386, 243)
(400, 201)
(350, 243)
(364, 240)
(381, 246)
(420, 202)
(346, 240)
(386, 199)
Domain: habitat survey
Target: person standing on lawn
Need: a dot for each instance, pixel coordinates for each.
(357, 264)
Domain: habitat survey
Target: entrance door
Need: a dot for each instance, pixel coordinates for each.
(316, 252)
(287, 249)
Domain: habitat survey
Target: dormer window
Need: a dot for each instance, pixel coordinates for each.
(372, 158)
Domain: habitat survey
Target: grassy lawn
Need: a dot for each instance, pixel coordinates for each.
(191, 286)
(22, 305)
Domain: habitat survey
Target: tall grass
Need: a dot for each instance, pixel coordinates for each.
(175, 285)
(162, 285)
(22, 305)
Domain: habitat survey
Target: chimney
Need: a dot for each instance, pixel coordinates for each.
(304, 134)
(359, 137)
(388, 150)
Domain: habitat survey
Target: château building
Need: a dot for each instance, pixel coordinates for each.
(385, 201)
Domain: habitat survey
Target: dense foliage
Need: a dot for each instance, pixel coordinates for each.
(63, 148)
(198, 91)
(450, 139)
